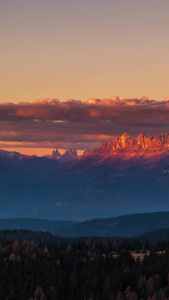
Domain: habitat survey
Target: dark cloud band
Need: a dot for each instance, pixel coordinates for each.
(81, 123)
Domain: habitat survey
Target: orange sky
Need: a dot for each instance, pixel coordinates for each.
(37, 151)
(81, 49)
(77, 50)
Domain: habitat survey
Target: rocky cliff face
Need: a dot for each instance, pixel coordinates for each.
(124, 152)
(143, 144)
(160, 142)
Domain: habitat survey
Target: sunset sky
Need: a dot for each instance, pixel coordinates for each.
(69, 49)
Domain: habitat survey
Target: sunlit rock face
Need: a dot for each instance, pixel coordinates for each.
(159, 142)
(123, 152)
(124, 142)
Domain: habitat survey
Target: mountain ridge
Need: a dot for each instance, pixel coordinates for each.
(159, 142)
(144, 151)
(124, 152)
(130, 178)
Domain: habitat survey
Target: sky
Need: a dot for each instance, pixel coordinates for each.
(80, 50)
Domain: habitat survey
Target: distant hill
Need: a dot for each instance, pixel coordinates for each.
(52, 226)
(123, 226)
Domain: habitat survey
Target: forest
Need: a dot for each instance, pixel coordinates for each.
(84, 269)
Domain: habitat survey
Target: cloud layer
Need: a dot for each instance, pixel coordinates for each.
(76, 124)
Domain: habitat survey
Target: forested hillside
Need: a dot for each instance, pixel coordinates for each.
(87, 269)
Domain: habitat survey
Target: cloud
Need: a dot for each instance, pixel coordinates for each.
(81, 124)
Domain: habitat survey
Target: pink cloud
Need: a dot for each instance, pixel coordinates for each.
(81, 124)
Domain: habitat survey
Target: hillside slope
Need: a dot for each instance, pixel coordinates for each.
(123, 226)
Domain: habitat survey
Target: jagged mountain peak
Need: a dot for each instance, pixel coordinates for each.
(56, 154)
(69, 156)
(159, 142)
(72, 152)
(86, 152)
(124, 152)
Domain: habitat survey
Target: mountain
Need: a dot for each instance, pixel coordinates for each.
(68, 157)
(86, 152)
(125, 176)
(124, 152)
(25, 164)
(4, 155)
(55, 154)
